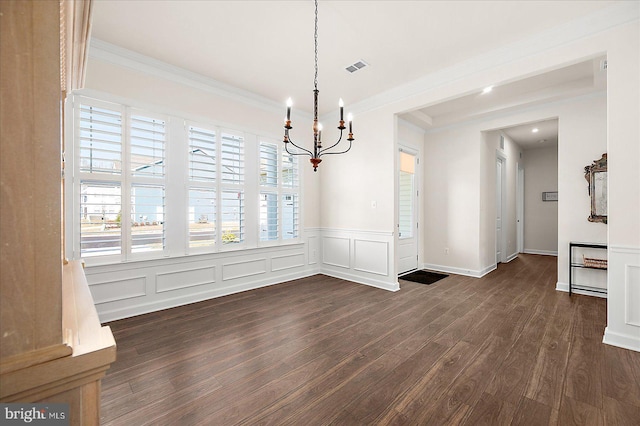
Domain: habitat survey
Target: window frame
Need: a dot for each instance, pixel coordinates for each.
(176, 182)
(279, 190)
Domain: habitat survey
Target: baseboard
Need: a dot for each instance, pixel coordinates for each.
(564, 287)
(362, 280)
(621, 340)
(511, 257)
(460, 271)
(542, 252)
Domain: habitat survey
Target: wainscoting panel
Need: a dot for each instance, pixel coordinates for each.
(289, 261)
(247, 268)
(623, 298)
(364, 257)
(132, 288)
(167, 281)
(632, 290)
(371, 256)
(119, 289)
(336, 251)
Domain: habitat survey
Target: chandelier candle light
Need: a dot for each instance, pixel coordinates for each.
(318, 151)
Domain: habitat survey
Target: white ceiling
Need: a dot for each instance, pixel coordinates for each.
(574, 80)
(266, 47)
(523, 135)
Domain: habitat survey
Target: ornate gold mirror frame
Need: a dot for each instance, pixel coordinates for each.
(596, 175)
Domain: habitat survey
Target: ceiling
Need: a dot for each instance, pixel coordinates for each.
(578, 79)
(545, 136)
(266, 47)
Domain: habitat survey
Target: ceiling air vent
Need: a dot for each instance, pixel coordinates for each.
(356, 66)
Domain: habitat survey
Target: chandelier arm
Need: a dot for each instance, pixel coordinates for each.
(341, 152)
(305, 151)
(320, 152)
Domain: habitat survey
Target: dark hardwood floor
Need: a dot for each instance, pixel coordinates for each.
(503, 349)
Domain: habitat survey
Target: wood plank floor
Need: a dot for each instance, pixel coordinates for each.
(503, 349)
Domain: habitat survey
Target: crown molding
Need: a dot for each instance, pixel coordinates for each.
(515, 110)
(409, 125)
(594, 23)
(116, 55)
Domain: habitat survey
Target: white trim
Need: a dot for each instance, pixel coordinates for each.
(621, 340)
(542, 252)
(110, 53)
(182, 271)
(358, 232)
(261, 261)
(411, 126)
(564, 287)
(628, 307)
(289, 266)
(511, 257)
(385, 271)
(509, 112)
(624, 249)
(359, 279)
(475, 273)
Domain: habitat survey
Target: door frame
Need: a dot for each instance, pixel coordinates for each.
(416, 200)
(502, 158)
(520, 208)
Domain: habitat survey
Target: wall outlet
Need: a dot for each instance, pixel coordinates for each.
(446, 251)
(374, 204)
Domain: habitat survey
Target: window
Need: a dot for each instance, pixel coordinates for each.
(100, 219)
(100, 140)
(406, 195)
(268, 164)
(268, 216)
(290, 178)
(278, 193)
(289, 216)
(146, 185)
(111, 182)
(232, 217)
(202, 187)
(202, 217)
(232, 186)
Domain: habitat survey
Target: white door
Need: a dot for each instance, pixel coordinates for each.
(499, 212)
(520, 209)
(407, 212)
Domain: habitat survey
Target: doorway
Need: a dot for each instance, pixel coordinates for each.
(407, 211)
(500, 207)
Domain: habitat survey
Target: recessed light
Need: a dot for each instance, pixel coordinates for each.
(534, 130)
(487, 89)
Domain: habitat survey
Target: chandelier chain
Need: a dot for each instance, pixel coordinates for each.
(315, 40)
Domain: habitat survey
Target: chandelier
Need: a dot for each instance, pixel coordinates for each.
(318, 150)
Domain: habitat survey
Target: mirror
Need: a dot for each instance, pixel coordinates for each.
(596, 175)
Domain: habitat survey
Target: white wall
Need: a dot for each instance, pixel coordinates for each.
(452, 201)
(540, 217)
